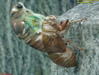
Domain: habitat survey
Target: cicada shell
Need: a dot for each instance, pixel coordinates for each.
(58, 52)
(65, 59)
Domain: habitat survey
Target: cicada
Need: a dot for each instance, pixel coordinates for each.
(44, 33)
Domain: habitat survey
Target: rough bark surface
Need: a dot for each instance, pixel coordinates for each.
(18, 58)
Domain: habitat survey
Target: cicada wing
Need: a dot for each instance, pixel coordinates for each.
(18, 26)
(65, 59)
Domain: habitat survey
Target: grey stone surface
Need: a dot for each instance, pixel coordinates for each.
(86, 35)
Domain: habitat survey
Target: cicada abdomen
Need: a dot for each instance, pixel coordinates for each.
(65, 59)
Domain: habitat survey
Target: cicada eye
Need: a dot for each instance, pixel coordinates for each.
(19, 6)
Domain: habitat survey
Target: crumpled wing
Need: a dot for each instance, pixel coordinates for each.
(18, 26)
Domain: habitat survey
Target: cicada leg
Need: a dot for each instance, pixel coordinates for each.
(80, 20)
(63, 26)
(70, 42)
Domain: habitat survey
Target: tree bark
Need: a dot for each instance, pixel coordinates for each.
(18, 58)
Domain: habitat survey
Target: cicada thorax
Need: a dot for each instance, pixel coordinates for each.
(55, 46)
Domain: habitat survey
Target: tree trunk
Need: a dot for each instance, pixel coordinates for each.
(17, 58)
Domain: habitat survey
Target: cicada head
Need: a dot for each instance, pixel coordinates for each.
(17, 12)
